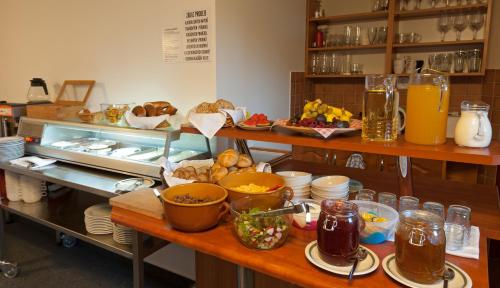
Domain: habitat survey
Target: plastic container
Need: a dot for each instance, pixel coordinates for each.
(377, 232)
(299, 220)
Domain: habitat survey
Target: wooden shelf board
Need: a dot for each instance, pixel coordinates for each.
(452, 74)
(336, 76)
(430, 12)
(351, 17)
(446, 152)
(342, 48)
(438, 44)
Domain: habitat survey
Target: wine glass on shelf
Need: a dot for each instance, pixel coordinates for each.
(434, 3)
(444, 25)
(405, 4)
(476, 21)
(372, 35)
(418, 4)
(459, 24)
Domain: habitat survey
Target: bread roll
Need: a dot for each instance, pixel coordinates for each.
(224, 104)
(150, 109)
(248, 169)
(244, 161)
(228, 158)
(139, 111)
(219, 174)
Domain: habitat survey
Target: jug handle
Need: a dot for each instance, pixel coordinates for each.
(481, 130)
(444, 88)
(404, 117)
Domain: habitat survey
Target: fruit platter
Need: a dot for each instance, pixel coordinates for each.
(321, 120)
(256, 122)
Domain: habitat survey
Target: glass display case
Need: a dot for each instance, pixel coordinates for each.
(124, 150)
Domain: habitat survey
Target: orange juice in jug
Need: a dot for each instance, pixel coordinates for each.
(427, 109)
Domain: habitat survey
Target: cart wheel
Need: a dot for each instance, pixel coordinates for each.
(68, 241)
(10, 271)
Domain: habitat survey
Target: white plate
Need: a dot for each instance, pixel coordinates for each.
(102, 210)
(461, 279)
(366, 266)
(124, 152)
(129, 183)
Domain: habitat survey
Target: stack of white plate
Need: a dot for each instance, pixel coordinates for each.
(300, 182)
(330, 187)
(11, 148)
(98, 219)
(122, 234)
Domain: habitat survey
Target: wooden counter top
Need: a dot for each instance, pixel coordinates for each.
(288, 262)
(446, 152)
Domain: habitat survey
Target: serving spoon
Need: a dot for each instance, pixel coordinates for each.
(449, 274)
(295, 208)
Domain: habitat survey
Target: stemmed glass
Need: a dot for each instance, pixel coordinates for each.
(372, 35)
(405, 4)
(459, 24)
(444, 25)
(434, 3)
(476, 21)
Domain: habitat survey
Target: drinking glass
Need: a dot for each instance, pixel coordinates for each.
(389, 199)
(372, 35)
(446, 61)
(334, 64)
(444, 25)
(404, 5)
(474, 63)
(348, 34)
(476, 21)
(459, 61)
(433, 3)
(457, 226)
(418, 4)
(356, 35)
(376, 5)
(315, 64)
(408, 203)
(384, 5)
(324, 63)
(459, 24)
(382, 34)
(434, 207)
(356, 68)
(366, 195)
(435, 62)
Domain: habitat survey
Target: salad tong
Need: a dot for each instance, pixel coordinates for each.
(294, 209)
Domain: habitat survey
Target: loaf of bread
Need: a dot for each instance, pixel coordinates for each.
(139, 111)
(150, 110)
(228, 158)
(244, 161)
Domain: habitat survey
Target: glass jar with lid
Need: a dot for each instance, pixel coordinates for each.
(420, 246)
(338, 230)
(474, 127)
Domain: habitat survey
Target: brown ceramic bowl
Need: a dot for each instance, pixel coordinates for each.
(273, 181)
(195, 217)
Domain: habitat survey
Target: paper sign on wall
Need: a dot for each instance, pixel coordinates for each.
(196, 36)
(171, 45)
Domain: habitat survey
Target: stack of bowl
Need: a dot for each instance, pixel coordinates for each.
(300, 182)
(330, 187)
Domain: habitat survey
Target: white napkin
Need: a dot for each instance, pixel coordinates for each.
(171, 167)
(472, 248)
(209, 123)
(32, 162)
(145, 122)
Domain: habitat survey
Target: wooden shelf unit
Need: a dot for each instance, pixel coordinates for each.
(446, 152)
(393, 16)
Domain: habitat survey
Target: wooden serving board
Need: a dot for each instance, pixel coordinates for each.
(140, 201)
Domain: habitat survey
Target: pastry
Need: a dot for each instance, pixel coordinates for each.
(248, 169)
(228, 158)
(150, 110)
(224, 104)
(219, 174)
(139, 111)
(244, 161)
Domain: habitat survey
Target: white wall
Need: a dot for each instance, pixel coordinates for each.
(259, 43)
(115, 42)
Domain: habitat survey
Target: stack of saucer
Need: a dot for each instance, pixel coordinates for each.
(300, 182)
(122, 235)
(11, 148)
(330, 187)
(98, 219)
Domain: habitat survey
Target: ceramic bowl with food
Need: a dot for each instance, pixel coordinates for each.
(113, 113)
(194, 207)
(260, 232)
(245, 184)
(299, 220)
(380, 221)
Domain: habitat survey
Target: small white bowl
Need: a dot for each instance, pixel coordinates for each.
(329, 182)
(295, 178)
(333, 191)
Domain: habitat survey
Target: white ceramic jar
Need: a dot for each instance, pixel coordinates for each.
(473, 128)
